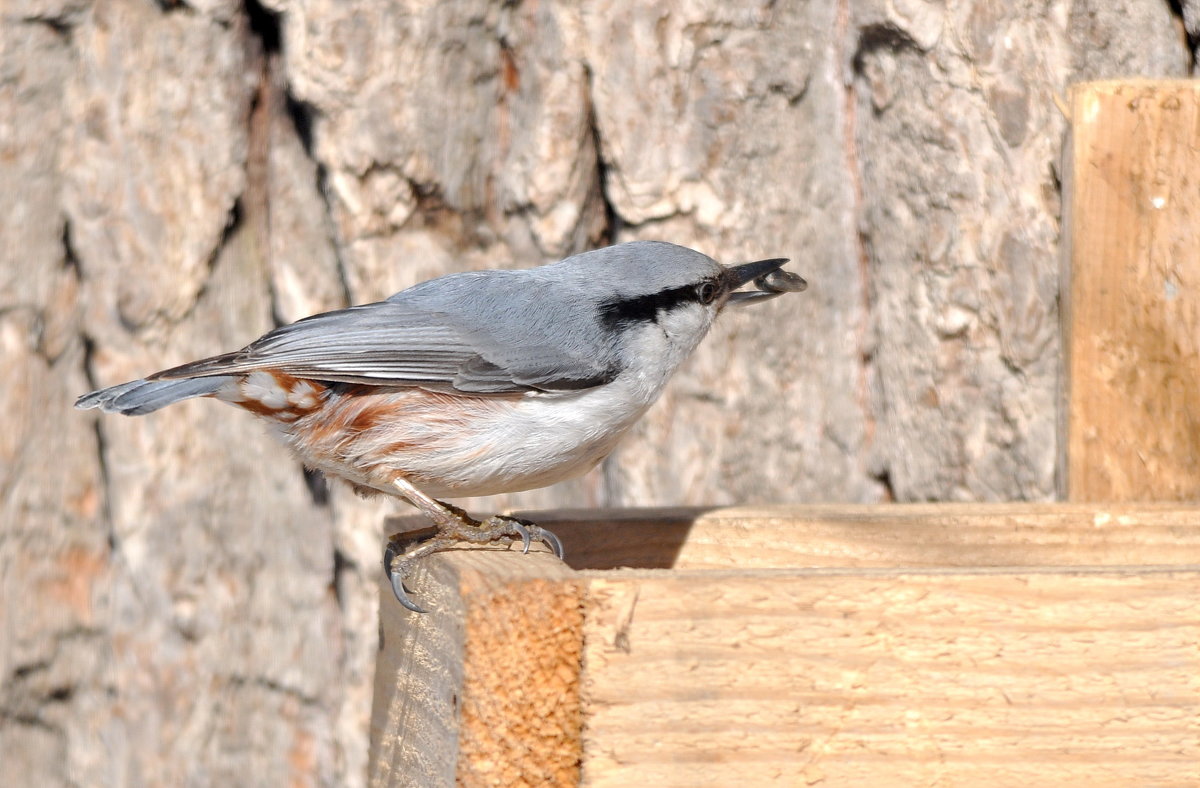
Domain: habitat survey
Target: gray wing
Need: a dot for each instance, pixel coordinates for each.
(435, 339)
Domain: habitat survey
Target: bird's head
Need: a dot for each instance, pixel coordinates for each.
(675, 290)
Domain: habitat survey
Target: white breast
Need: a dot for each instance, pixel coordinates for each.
(537, 440)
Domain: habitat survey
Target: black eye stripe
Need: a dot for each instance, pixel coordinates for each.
(645, 308)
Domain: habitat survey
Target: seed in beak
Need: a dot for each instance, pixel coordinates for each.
(781, 281)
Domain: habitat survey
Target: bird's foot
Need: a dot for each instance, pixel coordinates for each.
(499, 527)
(399, 563)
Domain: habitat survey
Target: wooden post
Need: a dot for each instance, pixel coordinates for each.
(1131, 294)
(483, 689)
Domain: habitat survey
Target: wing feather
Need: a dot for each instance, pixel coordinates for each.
(422, 341)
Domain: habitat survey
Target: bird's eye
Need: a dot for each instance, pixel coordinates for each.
(707, 292)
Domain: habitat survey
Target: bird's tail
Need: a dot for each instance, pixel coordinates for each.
(138, 397)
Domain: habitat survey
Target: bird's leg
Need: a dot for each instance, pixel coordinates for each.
(454, 527)
(454, 523)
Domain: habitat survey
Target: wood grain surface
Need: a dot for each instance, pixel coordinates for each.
(1132, 322)
(959, 677)
(925, 644)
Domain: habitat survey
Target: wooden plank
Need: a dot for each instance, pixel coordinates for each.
(896, 535)
(961, 643)
(484, 689)
(986, 677)
(1131, 309)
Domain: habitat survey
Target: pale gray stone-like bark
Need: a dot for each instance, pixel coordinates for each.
(959, 212)
(53, 534)
(181, 607)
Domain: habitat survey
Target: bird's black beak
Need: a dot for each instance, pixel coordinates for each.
(759, 272)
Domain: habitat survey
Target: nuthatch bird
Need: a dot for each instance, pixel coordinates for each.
(475, 383)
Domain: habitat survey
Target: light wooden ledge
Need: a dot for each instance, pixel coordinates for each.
(845, 645)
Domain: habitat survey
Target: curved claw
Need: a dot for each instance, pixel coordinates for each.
(402, 593)
(389, 557)
(553, 542)
(529, 531)
(523, 532)
(396, 578)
